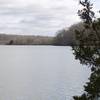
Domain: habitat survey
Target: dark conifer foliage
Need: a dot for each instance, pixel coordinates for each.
(86, 14)
(89, 54)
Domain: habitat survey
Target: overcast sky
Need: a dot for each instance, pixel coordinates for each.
(38, 17)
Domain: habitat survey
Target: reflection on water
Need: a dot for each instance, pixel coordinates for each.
(40, 73)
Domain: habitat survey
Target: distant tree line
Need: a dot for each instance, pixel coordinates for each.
(64, 37)
(25, 40)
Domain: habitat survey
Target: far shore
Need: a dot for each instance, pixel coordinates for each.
(6, 39)
(25, 40)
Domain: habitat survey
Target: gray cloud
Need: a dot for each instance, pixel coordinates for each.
(36, 17)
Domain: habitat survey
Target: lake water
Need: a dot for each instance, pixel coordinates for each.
(40, 73)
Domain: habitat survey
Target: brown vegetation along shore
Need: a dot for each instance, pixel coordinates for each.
(25, 40)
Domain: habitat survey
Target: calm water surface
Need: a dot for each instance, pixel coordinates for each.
(40, 73)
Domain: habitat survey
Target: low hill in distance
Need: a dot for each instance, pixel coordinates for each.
(25, 40)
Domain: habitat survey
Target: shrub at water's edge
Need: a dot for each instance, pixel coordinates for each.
(77, 33)
(85, 33)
